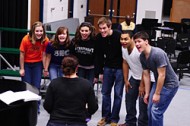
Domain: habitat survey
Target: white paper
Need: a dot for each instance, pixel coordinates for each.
(9, 97)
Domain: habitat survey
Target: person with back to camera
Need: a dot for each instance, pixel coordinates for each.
(66, 97)
(59, 47)
(32, 55)
(127, 25)
(109, 62)
(159, 96)
(134, 86)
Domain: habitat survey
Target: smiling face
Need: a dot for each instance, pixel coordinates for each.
(104, 29)
(141, 44)
(125, 40)
(62, 37)
(85, 32)
(38, 32)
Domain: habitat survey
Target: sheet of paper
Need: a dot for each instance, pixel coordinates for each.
(9, 97)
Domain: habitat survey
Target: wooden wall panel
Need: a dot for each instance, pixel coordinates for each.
(180, 9)
(35, 11)
(127, 7)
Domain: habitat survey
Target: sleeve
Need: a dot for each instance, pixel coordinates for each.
(123, 53)
(119, 28)
(72, 48)
(160, 59)
(48, 48)
(45, 44)
(92, 102)
(22, 45)
(99, 58)
(143, 62)
(48, 103)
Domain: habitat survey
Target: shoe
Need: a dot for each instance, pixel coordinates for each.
(124, 124)
(102, 122)
(113, 124)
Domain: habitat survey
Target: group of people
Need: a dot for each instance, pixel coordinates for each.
(117, 59)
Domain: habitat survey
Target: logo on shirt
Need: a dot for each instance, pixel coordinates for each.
(84, 50)
(61, 53)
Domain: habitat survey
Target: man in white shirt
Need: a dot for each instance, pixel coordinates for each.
(134, 85)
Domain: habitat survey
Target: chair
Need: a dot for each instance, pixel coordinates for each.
(170, 47)
(183, 63)
(161, 43)
(185, 25)
(183, 41)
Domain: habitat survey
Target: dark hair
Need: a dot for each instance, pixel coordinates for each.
(78, 36)
(129, 32)
(104, 20)
(55, 41)
(142, 35)
(32, 32)
(69, 64)
(128, 20)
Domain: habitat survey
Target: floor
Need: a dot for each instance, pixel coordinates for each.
(177, 114)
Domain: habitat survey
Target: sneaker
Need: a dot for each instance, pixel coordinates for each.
(113, 124)
(102, 122)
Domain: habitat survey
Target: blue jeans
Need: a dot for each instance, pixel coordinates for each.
(86, 73)
(130, 101)
(33, 73)
(55, 71)
(156, 111)
(51, 123)
(112, 77)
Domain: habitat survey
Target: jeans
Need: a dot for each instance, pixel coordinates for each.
(86, 73)
(156, 110)
(111, 76)
(33, 73)
(55, 71)
(51, 123)
(130, 101)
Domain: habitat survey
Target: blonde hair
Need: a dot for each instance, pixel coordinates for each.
(104, 20)
(32, 32)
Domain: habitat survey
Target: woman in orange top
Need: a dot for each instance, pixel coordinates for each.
(32, 53)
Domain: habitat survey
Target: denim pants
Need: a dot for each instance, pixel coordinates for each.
(112, 77)
(86, 73)
(156, 110)
(50, 123)
(33, 73)
(130, 101)
(55, 71)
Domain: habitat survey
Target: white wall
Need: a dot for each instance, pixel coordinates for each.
(149, 9)
(55, 10)
(79, 9)
(29, 13)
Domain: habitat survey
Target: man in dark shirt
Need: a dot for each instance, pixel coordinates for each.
(109, 63)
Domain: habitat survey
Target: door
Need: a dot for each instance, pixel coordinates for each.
(96, 10)
(116, 10)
